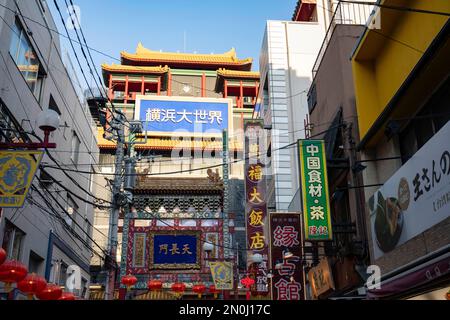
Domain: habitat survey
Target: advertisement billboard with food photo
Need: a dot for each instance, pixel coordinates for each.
(415, 198)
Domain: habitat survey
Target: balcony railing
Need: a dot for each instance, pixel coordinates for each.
(344, 14)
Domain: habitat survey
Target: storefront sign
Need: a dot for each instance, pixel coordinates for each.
(314, 185)
(285, 235)
(184, 114)
(415, 198)
(256, 207)
(17, 170)
(175, 250)
(321, 278)
(222, 273)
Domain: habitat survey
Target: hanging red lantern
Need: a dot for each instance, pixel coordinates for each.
(51, 292)
(178, 287)
(32, 284)
(67, 296)
(199, 289)
(248, 282)
(12, 271)
(154, 285)
(214, 291)
(2, 255)
(129, 281)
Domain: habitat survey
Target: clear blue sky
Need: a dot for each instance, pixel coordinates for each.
(210, 25)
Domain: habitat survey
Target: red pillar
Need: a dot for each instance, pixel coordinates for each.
(126, 89)
(241, 94)
(203, 85)
(143, 86)
(159, 86)
(110, 88)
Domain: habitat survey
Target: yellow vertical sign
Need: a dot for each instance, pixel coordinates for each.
(17, 170)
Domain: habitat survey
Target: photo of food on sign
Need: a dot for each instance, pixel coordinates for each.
(388, 220)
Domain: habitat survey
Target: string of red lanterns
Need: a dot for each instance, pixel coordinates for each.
(199, 289)
(214, 291)
(178, 287)
(31, 285)
(67, 296)
(154, 285)
(12, 271)
(51, 292)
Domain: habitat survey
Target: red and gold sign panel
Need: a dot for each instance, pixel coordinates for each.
(286, 256)
(256, 208)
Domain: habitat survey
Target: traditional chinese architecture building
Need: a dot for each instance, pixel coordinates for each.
(180, 196)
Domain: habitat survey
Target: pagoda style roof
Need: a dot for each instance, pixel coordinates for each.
(147, 184)
(238, 74)
(120, 68)
(133, 69)
(144, 56)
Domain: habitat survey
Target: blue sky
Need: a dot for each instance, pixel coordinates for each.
(210, 26)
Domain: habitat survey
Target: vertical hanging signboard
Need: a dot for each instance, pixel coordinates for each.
(256, 207)
(314, 186)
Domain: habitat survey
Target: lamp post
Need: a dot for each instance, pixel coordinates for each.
(47, 121)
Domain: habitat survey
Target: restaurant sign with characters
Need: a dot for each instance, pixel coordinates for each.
(256, 208)
(175, 249)
(288, 279)
(314, 186)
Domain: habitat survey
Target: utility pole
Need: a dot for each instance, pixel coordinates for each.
(117, 124)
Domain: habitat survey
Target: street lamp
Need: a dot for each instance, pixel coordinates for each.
(47, 121)
(257, 258)
(208, 248)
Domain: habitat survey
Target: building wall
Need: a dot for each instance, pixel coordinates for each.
(394, 81)
(25, 107)
(288, 53)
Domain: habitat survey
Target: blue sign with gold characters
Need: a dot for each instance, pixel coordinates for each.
(175, 250)
(184, 114)
(17, 169)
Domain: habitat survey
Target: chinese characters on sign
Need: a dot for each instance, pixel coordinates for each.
(314, 185)
(198, 116)
(174, 250)
(285, 233)
(321, 279)
(415, 198)
(256, 209)
(187, 114)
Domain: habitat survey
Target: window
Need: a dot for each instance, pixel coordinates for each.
(75, 148)
(433, 116)
(35, 263)
(53, 106)
(63, 274)
(84, 287)
(72, 209)
(12, 241)
(26, 59)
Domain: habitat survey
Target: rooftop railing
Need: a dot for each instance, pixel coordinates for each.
(344, 14)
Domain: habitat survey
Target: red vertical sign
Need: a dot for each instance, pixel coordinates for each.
(286, 256)
(256, 207)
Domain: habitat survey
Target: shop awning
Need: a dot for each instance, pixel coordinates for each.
(423, 274)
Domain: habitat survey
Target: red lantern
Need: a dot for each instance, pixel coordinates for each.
(2, 255)
(178, 287)
(51, 292)
(129, 281)
(154, 285)
(67, 296)
(248, 282)
(214, 291)
(12, 272)
(31, 285)
(199, 289)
